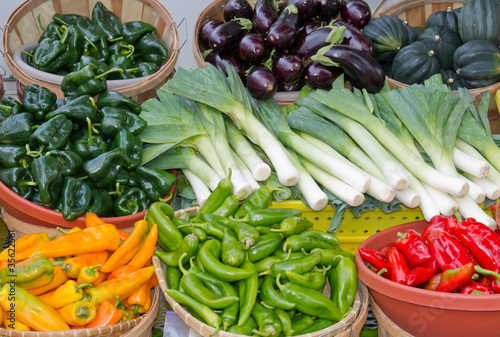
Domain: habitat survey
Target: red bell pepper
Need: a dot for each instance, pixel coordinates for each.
(485, 280)
(452, 280)
(448, 251)
(481, 241)
(436, 222)
(376, 259)
(475, 288)
(414, 248)
(494, 278)
(495, 210)
(398, 265)
(386, 248)
(421, 274)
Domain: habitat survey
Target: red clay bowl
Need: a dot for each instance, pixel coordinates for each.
(425, 313)
(27, 211)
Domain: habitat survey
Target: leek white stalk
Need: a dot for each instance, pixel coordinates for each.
(313, 194)
(470, 164)
(260, 170)
(427, 204)
(476, 192)
(408, 197)
(343, 191)
(493, 175)
(247, 174)
(272, 116)
(377, 189)
(491, 189)
(447, 205)
(469, 209)
(201, 191)
(226, 93)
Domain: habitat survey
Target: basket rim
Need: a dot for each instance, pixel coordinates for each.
(147, 83)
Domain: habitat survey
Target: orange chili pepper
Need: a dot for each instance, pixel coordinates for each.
(147, 249)
(59, 279)
(91, 220)
(74, 265)
(108, 314)
(102, 277)
(68, 293)
(123, 286)
(142, 296)
(123, 235)
(122, 271)
(79, 313)
(13, 324)
(129, 248)
(88, 240)
(24, 246)
(3, 264)
(89, 274)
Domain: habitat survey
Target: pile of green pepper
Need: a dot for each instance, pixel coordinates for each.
(253, 270)
(76, 155)
(113, 50)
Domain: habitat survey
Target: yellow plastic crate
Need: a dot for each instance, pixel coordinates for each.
(353, 231)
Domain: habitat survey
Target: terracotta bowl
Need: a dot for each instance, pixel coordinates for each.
(425, 313)
(31, 213)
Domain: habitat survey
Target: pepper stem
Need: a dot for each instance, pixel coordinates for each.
(40, 22)
(181, 266)
(27, 53)
(483, 271)
(5, 108)
(133, 205)
(115, 39)
(92, 270)
(91, 44)
(278, 283)
(381, 271)
(62, 230)
(118, 300)
(136, 309)
(167, 198)
(57, 263)
(53, 236)
(265, 305)
(84, 285)
(65, 34)
(106, 73)
(457, 215)
(89, 129)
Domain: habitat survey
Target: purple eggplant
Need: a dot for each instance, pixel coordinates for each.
(225, 37)
(264, 15)
(328, 9)
(205, 31)
(290, 87)
(353, 37)
(237, 9)
(356, 12)
(320, 76)
(306, 8)
(261, 82)
(253, 48)
(285, 29)
(362, 69)
(287, 68)
(310, 44)
(219, 59)
(310, 26)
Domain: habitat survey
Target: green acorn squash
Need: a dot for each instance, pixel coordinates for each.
(480, 20)
(447, 18)
(415, 63)
(388, 35)
(412, 33)
(444, 42)
(478, 63)
(451, 78)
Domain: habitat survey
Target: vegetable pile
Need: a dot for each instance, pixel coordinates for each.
(461, 44)
(422, 146)
(71, 41)
(86, 278)
(77, 155)
(450, 256)
(248, 269)
(273, 48)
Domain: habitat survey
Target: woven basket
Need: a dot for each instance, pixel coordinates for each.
(416, 12)
(350, 326)
(216, 11)
(22, 28)
(386, 327)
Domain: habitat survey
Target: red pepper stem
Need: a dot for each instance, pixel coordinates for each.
(483, 271)
(381, 271)
(457, 215)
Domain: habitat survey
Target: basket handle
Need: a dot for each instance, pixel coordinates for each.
(186, 29)
(379, 6)
(349, 325)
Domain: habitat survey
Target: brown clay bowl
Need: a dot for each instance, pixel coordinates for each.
(426, 313)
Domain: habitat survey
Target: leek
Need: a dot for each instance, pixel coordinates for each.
(260, 170)
(245, 171)
(467, 163)
(201, 191)
(227, 94)
(493, 175)
(476, 192)
(346, 104)
(272, 116)
(446, 204)
(492, 190)
(185, 158)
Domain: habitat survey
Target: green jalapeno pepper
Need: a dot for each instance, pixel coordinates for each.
(297, 242)
(211, 228)
(263, 230)
(209, 254)
(266, 263)
(266, 245)
(173, 276)
(169, 237)
(314, 279)
(288, 255)
(270, 216)
(269, 323)
(185, 228)
(319, 324)
(246, 234)
(344, 284)
(330, 257)
(248, 290)
(309, 301)
(189, 246)
(233, 253)
(292, 225)
(258, 199)
(271, 296)
(300, 265)
(219, 194)
(320, 235)
(286, 323)
(301, 323)
(229, 206)
(245, 329)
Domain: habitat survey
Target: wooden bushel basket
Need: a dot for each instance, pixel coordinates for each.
(350, 326)
(416, 12)
(22, 28)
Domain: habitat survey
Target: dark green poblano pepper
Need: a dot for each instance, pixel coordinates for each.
(90, 145)
(101, 203)
(116, 119)
(144, 69)
(108, 21)
(16, 130)
(52, 134)
(71, 162)
(156, 183)
(75, 198)
(132, 145)
(19, 180)
(12, 155)
(77, 110)
(89, 80)
(133, 31)
(116, 99)
(9, 107)
(132, 201)
(103, 169)
(152, 49)
(38, 100)
(94, 39)
(65, 19)
(47, 173)
(52, 54)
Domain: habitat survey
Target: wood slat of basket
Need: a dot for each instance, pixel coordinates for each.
(386, 327)
(24, 28)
